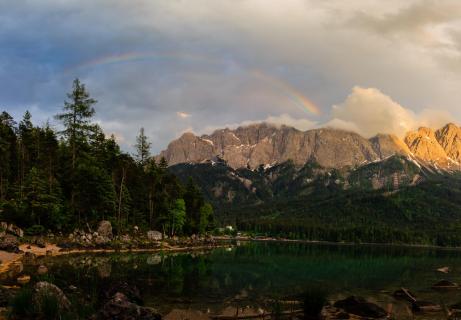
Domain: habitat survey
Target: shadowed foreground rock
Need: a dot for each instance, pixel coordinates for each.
(45, 289)
(360, 307)
(120, 308)
(9, 243)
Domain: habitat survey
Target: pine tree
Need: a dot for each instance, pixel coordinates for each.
(40, 203)
(194, 201)
(78, 112)
(76, 118)
(142, 148)
(8, 154)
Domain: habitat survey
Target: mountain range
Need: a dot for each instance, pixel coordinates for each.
(329, 184)
(268, 145)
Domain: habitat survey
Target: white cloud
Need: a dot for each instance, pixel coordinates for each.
(283, 119)
(368, 111)
(183, 115)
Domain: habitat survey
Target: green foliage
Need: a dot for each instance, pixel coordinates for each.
(425, 214)
(51, 184)
(35, 230)
(206, 218)
(176, 217)
(142, 148)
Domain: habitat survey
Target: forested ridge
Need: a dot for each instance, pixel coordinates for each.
(429, 214)
(59, 180)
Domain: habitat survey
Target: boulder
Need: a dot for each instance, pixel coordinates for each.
(9, 243)
(23, 279)
(426, 306)
(130, 291)
(44, 289)
(41, 270)
(105, 229)
(40, 242)
(119, 307)
(404, 294)
(15, 230)
(360, 307)
(101, 240)
(153, 235)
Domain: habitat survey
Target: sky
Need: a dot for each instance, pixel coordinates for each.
(173, 66)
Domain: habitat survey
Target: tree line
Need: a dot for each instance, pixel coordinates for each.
(60, 180)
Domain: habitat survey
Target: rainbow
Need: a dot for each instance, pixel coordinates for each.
(300, 100)
(290, 92)
(135, 57)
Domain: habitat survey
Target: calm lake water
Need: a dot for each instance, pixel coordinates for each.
(250, 274)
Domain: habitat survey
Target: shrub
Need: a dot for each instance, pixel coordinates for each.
(35, 230)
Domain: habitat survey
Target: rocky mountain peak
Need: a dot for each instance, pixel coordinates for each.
(449, 137)
(266, 144)
(424, 146)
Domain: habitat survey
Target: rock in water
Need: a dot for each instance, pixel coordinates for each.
(45, 289)
(120, 308)
(105, 229)
(130, 291)
(426, 306)
(154, 235)
(24, 279)
(445, 285)
(9, 243)
(42, 270)
(360, 307)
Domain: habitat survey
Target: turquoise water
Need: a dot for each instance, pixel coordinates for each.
(251, 274)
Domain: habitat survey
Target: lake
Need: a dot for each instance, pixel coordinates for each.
(255, 275)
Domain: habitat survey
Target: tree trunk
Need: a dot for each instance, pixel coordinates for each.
(120, 199)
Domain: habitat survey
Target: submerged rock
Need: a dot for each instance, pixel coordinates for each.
(445, 285)
(41, 270)
(360, 307)
(119, 307)
(426, 306)
(444, 269)
(24, 279)
(131, 291)
(404, 294)
(45, 289)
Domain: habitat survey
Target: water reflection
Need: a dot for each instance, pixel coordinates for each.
(254, 273)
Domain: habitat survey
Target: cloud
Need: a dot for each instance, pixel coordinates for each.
(302, 124)
(183, 115)
(368, 111)
(203, 54)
